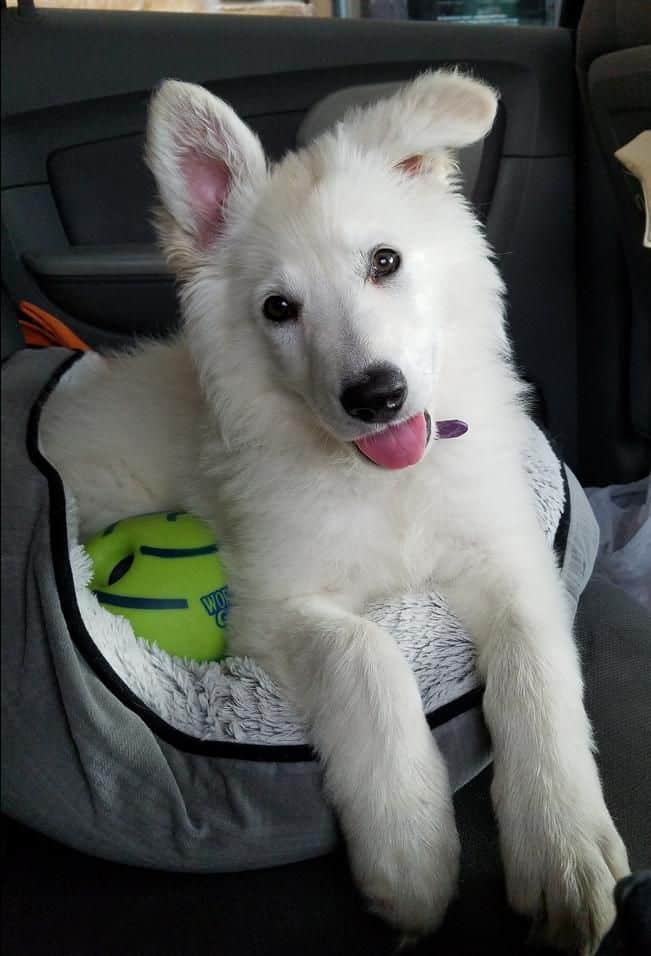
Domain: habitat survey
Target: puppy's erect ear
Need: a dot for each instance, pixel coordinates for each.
(207, 163)
(437, 111)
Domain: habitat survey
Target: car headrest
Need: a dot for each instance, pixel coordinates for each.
(610, 25)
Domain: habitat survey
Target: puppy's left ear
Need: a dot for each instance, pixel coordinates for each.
(415, 127)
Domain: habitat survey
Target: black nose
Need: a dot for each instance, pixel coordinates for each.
(377, 396)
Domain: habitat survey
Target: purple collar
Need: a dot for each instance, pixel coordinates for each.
(451, 428)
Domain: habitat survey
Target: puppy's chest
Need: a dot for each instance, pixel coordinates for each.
(333, 530)
(396, 545)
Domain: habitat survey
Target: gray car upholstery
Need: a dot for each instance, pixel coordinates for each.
(614, 78)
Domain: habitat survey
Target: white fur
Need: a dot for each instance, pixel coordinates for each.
(239, 420)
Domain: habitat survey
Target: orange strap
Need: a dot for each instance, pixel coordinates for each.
(41, 328)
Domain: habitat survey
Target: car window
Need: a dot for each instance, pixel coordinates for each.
(286, 8)
(509, 12)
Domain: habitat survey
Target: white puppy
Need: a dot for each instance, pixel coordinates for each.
(341, 315)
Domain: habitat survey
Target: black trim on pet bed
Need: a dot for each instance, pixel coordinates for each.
(284, 753)
(563, 529)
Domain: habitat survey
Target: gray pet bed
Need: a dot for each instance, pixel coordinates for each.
(122, 751)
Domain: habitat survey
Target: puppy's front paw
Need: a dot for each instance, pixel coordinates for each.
(563, 876)
(407, 866)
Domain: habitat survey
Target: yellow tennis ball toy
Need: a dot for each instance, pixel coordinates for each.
(162, 572)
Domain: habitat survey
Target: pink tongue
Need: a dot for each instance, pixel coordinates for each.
(397, 446)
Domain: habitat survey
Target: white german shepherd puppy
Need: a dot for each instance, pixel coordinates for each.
(342, 320)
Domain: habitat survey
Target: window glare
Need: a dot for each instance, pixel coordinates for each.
(514, 12)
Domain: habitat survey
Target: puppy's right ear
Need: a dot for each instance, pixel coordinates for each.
(207, 164)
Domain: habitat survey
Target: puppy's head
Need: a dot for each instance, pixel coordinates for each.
(334, 276)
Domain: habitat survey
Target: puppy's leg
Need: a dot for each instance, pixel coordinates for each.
(383, 772)
(561, 852)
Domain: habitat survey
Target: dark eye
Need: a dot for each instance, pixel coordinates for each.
(279, 309)
(384, 262)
